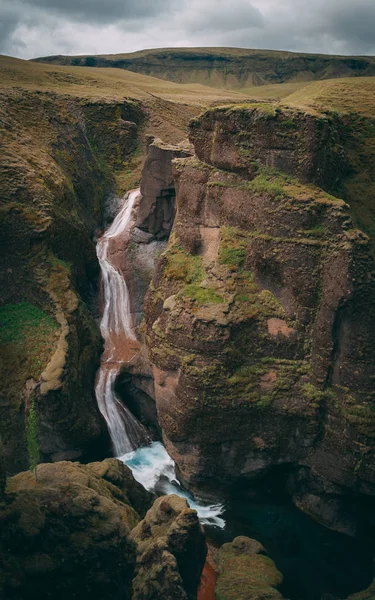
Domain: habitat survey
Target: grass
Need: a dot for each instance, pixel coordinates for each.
(104, 84)
(202, 295)
(30, 333)
(233, 247)
(183, 266)
(344, 96)
(267, 74)
(268, 183)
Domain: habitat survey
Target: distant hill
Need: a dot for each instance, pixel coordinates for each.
(232, 68)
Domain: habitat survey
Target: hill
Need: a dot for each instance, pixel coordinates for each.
(231, 68)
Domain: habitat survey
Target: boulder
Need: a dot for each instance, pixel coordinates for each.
(67, 533)
(246, 572)
(171, 551)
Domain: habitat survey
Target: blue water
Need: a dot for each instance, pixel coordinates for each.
(155, 470)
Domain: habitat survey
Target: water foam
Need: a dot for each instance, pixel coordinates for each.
(155, 470)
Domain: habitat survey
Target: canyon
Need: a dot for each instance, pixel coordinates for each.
(234, 318)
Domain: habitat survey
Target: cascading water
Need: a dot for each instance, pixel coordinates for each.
(117, 330)
(150, 463)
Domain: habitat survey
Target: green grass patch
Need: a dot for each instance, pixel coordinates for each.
(202, 295)
(183, 266)
(267, 184)
(21, 321)
(233, 247)
(58, 262)
(27, 340)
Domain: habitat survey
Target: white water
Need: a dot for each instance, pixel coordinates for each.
(151, 465)
(117, 328)
(155, 470)
(116, 315)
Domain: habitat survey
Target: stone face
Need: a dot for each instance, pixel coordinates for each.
(58, 158)
(260, 323)
(171, 551)
(67, 534)
(76, 531)
(246, 573)
(243, 137)
(157, 208)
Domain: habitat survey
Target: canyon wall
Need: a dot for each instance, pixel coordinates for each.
(59, 161)
(260, 317)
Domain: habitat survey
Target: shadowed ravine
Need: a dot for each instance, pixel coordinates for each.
(149, 462)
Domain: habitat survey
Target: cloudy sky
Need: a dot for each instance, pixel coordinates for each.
(30, 28)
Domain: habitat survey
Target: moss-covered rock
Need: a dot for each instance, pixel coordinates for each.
(59, 160)
(246, 572)
(67, 533)
(171, 551)
(260, 317)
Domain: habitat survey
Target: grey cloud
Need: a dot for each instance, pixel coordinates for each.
(331, 26)
(224, 16)
(92, 11)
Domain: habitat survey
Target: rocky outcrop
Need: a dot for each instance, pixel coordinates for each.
(76, 531)
(59, 160)
(246, 572)
(157, 207)
(67, 534)
(171, 551)
(260, 318)
(244, 137)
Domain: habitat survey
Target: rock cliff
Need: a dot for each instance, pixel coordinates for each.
(260, 317)
(59, 160)
(77, 531)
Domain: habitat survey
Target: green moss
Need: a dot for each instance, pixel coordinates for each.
(263, 108)
(289, 124)
(233, 246)
(24, 320)
(267, 184)
(183, 266)
(202, 295)
(269, 300)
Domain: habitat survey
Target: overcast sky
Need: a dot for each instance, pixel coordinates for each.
(30, 28)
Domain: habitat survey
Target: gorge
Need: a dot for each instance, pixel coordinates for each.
(212, 329)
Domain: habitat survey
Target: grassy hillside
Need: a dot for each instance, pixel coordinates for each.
(231, 68)
(103, 84)
(344, 96)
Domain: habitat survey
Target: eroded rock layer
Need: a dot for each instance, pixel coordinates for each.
(76, 531)
(59, 159)
(260, 318)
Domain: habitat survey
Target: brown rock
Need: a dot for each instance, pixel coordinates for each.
(66, 534)
(171, 551)
(157, 208)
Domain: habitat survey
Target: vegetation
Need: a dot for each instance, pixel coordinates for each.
(105, 84)
(202, 295)
(183, 266)
(231, 68)
(344, 96)
(233, 246)
(26, 329)
(268, 183)
(32, 438)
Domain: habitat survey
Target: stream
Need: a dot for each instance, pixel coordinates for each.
(150, 462)
(316, 563)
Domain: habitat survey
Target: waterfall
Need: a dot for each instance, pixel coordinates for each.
(117, 329)
(150, 463)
